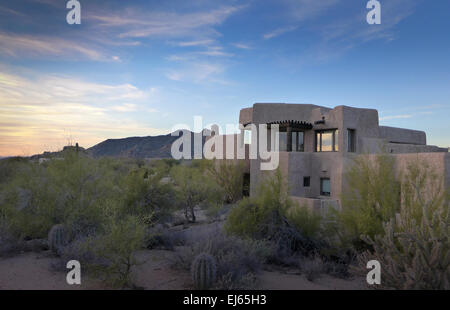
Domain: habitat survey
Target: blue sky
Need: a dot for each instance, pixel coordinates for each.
(137, 68)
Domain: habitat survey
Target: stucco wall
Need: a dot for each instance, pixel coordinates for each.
(401, 135)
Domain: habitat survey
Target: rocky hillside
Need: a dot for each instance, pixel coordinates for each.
(136, 147)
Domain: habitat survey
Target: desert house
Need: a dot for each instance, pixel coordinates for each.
(318, 144)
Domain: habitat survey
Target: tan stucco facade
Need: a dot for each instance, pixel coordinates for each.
(327, 168)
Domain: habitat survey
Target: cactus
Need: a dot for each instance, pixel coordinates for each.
(203, 270)
(57, 238)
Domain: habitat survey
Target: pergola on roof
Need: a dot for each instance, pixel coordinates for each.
(292, 124)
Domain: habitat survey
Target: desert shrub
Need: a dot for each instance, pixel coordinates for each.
(372, 197)
(257, 217)
(115, 250)
(147, 196)
(10, 245)
(413, 249)
(29, 205)
(238, 260)
(229, 176)
(266, 217)
(193, 188)
(306, 221)
(312, 267)
(159, 237)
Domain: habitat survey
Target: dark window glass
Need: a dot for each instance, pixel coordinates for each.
(306, 181)
(351, 143)
(283, 142)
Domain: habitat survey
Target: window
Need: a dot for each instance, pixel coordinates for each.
(283, 142)
(325, 187)
(247, 136)
(296, 139)
(351, 143)
(327, 141)
(306, 181)
(297, 142)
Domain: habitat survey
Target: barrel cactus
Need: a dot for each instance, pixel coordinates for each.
(203, 270)
(57, 238)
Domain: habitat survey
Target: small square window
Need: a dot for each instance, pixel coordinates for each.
(306, 181)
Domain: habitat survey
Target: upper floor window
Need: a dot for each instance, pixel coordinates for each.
(298, 141)
(351, 142)
(295, 144)
(327, 140)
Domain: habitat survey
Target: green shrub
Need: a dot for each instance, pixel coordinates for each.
(116, 250)
(306, 221)
(193, 188)
(414, 248)
(147, 196)
(372, 197)
(229, 176)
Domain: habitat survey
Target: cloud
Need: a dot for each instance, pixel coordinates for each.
(400, 116)
(195, 43)
(198, 73)
(243, 46)
(345, 33)
(279, 31)
(405, 116)
(133, 23)
(37, 112)
(16, 45)
(126, 107)
(8, 11)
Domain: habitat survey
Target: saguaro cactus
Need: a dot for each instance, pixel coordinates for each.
(203, 271)
(57, 238)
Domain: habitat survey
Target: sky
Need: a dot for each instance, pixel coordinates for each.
(139, 68)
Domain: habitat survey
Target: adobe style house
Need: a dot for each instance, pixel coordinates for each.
(317, 145)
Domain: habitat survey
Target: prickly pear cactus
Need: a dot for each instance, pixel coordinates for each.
(203, 271)
(57, 238)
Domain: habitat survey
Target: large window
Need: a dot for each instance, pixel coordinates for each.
(351, 143)
(325, 187)
(327, 141)
(297, 141)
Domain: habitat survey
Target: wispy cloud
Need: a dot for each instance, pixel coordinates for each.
(195, 43)
(8, 11)
(15, 45)
(405, 116)
(198, 73)
(36, 112)
(133, 23)
(279, 31)
(345, 33)
(244, 46)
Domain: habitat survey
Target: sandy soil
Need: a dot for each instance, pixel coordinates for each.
(271, 280)
(32, 271)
